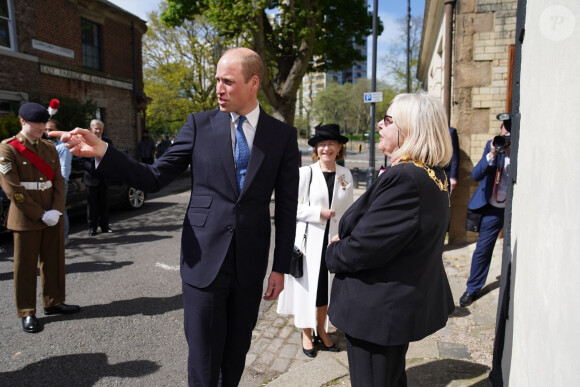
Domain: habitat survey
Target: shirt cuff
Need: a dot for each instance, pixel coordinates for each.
(490, 158)
(98, 159)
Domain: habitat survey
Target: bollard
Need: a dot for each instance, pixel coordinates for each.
(359, 147)
(355, 176)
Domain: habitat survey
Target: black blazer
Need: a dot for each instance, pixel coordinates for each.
(91, 177)
(216, 210)
(452, 169)
(390, 286)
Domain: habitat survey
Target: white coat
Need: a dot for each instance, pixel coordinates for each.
(299, 295)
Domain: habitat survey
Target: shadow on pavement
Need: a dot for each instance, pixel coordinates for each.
(75, 370)
(443, 372)
(80, 267)
(147, 306)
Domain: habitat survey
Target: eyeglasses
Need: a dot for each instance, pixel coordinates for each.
(388, 120)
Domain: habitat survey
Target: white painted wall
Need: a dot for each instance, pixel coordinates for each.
(545, 305)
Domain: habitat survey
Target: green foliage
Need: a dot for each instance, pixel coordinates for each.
(179, 71)
(396, 59)
(291, 37)
(344, 105)
(73, 113)
(9, 125)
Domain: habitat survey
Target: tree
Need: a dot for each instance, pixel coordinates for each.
(396, 59)
(344, 105)
(179, 71)
(292, 37)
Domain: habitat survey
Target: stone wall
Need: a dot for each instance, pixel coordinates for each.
(484, 31)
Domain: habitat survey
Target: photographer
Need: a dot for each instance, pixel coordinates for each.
(486, 207)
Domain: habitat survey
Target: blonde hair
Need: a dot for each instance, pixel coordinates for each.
(423, 123)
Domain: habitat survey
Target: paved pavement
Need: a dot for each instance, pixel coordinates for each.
(129, 331)
(458, 355)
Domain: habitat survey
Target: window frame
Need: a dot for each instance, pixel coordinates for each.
(11, 27)
(92, 54)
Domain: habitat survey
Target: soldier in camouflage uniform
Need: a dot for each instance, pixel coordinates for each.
(31, 178)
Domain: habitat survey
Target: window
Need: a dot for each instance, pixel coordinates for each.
(91, 35)
(100, 114)
(6, 25)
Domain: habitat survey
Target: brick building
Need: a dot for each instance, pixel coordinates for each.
(89, 50)
(466, 58)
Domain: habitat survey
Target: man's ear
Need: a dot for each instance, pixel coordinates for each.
(255, 83)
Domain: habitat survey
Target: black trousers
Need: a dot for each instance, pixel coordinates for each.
(218, 322)
(374, 365)
(98, 206)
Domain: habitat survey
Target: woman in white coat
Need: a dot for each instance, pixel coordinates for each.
(325, 192)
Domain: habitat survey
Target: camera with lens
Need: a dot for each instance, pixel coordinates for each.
(501, 142)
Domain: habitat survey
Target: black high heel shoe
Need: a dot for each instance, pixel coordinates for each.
(308, 352)
(332, 348)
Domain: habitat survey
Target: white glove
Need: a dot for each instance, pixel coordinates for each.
(50, 218)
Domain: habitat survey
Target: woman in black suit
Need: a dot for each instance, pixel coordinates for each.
(390, 286)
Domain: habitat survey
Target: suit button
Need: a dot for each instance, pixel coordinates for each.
(230, 229)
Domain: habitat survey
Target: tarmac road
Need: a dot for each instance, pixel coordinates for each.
(130, 329)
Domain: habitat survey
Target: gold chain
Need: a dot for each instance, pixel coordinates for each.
(441, 184)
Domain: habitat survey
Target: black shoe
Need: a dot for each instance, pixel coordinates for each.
(92, 231)
(332, 348)
(30, 324)
(467, 299)
(106, 229)
(62, 309)
(308, 352)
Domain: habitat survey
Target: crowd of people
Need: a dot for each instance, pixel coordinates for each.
(373, 267)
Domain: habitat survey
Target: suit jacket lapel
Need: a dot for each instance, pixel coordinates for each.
(262, 140)
(222, 135)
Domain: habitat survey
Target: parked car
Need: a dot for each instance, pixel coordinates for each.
(120, 195)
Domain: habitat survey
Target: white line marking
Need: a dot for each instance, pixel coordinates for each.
(166, 267)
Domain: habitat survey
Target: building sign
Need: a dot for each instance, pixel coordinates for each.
(374, 97)
(58, 72)
(43, 46)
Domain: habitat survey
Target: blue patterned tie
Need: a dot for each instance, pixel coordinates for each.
(241, 153)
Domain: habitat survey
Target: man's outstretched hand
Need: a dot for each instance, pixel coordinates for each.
(81, 142)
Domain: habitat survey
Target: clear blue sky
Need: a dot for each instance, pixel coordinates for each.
(389, 12)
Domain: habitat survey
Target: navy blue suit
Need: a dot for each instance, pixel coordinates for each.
(226, 234)
(492, 220)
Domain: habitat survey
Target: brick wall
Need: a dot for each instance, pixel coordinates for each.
(58, 22)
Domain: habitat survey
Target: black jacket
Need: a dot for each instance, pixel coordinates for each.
(390, 286)
(92, 178)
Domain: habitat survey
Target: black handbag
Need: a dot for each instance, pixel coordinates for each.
(297, 263)
(297, 259)
(473, 220)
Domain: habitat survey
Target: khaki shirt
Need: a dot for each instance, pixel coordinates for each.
(28, 206)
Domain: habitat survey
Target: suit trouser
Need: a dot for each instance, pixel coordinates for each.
(491, 225)
(374, 365)
(218, 322)
(46, 245)
(98, 206)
